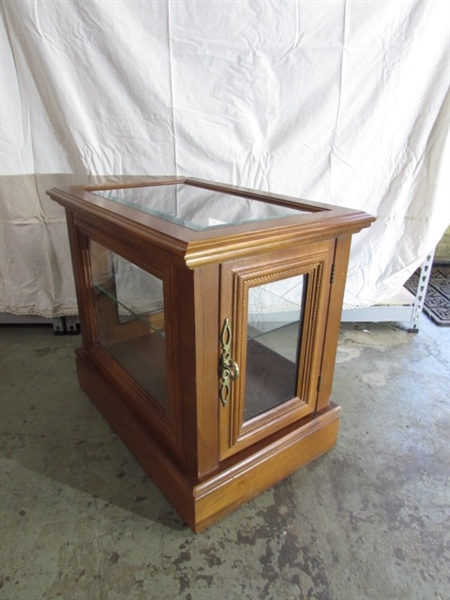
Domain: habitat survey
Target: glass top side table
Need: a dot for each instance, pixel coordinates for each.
(210, 317)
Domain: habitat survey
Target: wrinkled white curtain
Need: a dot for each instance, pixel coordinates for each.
(344, 102)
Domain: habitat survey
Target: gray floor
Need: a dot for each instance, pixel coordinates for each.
(369, 520)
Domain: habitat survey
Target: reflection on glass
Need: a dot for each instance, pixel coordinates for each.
(274, 318)
(197, 208)
(129, 305)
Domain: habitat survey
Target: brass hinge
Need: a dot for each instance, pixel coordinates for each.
(319, 383)
(332, 273)
(228, 368)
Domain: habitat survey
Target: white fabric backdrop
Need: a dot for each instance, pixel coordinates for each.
(344, 102)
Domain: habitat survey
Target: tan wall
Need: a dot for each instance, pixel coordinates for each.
(443, 248)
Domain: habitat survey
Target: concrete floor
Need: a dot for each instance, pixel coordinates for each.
(369, 520)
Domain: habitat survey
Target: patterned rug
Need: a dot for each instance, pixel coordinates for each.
(437, 300)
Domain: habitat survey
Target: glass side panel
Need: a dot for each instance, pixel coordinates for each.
(197, 208)
(129, 304)
(274, 320)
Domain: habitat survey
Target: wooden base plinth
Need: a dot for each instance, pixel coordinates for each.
(238, 480)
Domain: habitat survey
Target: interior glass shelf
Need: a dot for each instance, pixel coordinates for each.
(151, 319)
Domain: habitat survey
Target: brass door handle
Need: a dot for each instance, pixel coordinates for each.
(234, 370)
(228, 368)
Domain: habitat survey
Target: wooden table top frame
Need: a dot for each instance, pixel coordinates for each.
(198, 447)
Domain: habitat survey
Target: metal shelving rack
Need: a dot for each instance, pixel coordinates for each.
(403, 307)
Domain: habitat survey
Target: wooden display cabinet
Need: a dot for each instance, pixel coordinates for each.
(210, 318)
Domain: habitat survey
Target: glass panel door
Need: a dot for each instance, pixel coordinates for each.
(276, 312)
(129, 304)
(274, 325)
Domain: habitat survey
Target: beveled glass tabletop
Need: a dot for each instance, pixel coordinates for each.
(197, 208)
